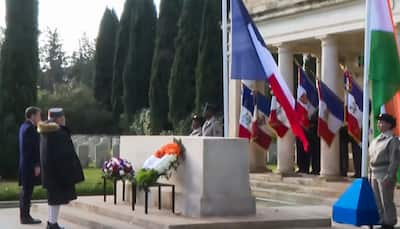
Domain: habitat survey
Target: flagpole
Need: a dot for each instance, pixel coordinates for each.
(365, 121)
(225, 66)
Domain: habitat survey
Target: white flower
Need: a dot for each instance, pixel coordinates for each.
(121, 172)
(165, 163)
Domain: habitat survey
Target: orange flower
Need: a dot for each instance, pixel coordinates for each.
(168, 149)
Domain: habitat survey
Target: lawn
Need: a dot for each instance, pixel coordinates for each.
(93, 185)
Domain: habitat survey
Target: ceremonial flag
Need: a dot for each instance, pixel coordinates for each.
(354, 107)
(251, 60)
(384, 64)
(277, 118)
(246, 112)
(260, 131)
(307, 98)
(330, 114)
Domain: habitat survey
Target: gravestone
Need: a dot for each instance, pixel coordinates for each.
(83, 154)
(93, 141)
(102, 153)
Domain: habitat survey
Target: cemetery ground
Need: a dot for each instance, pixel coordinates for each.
(93, 185)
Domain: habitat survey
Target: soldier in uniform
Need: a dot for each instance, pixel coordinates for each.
(211, 127)
(196, 126)
(384, 153)
(29, 162)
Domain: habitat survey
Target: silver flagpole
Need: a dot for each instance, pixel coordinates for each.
(365, 121)
(225, 66)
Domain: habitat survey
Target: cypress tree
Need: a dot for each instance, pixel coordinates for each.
(181, 88)
(19, 69)
(104, 57)
(167, 28)
(121, 51)
(137, 69)
(209, 86)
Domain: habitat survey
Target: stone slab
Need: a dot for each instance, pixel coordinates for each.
(213, 178)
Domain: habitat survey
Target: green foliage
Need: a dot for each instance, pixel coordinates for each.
(93, 185)
(181, 88)
(82, 63)
(84, 115)
(19, 67)
(209, 88)
(141, 123)
(167, 29)
(138, 66)
(104, 57)
(121, 53)
(146, 177)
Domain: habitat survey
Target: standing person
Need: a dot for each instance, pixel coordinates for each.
(302, 158)
(29, 162)
(315, 141)
(196, 126)
(212, 127)
(61, 168)
(344, 151)
(356, 151)
(384, 153)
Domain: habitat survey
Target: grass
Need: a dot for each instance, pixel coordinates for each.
(93, 185)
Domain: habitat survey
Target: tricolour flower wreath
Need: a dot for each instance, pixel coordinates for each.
(161, 163)
(118, 168)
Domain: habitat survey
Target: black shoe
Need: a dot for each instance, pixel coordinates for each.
(30, 220)
(53, 226)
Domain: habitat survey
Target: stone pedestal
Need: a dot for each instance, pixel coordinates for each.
(213, 178)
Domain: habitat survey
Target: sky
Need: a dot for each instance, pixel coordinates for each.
(72, 18)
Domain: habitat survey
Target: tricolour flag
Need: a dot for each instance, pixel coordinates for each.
(307, 98)
(330, 114)
(251, 60)
(384, 64)
(260, 131)
(354, 107)
(246, 112)
(277, 119)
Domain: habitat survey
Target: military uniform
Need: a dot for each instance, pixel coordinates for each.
(384, 153)
(212, 128)
(196, 132)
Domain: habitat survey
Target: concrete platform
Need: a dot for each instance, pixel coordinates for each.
(92, 212)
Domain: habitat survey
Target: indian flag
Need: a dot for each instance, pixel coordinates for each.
(384, 64)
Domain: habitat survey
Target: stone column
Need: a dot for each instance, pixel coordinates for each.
(234, 107)
(286, 145)
(330, 157)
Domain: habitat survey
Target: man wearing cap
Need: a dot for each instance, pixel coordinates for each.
(29, 162)
(61, 168)
(196, 126)
(384, 153)
(212, 127)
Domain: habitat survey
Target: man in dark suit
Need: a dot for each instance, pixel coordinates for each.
(29, 162)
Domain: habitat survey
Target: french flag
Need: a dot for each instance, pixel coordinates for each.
(251, 60)
(307, 98)
(354, 107)
(330, 116)
(277, 119)
(260, 130)
(246, 113)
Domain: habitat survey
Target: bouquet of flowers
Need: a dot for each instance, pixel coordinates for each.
(161, 163)
(118, 168)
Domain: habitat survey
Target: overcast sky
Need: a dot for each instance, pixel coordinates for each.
(72, 17)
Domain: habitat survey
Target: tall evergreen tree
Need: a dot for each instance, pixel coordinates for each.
(209, 86)
(181, 88)
(104, 57)
(167, 28)
(137, 70)
(19, 68)
(121, 51)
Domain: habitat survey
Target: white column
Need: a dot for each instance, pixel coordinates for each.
(330, 155)
(234, 107)
(286, 145)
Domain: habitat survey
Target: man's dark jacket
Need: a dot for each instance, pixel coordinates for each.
(29, 154)
(61, 168)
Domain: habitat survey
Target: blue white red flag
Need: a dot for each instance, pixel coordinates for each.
(246, 112)
(307, 98)
(331, 113)
(260, 130)
(354, 107)
(251, 60)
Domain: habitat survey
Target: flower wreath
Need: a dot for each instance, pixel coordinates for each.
(161, 163)
(118, 168)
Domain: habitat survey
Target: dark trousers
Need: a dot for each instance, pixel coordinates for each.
(303, 158)
(356, 150)
(315, 153)
(344, 151)
(25, 198)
